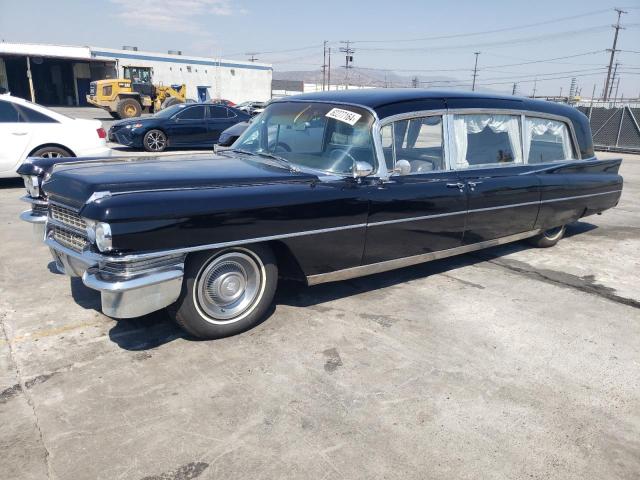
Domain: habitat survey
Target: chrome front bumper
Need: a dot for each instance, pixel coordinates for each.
(37, 216)
(127, 294)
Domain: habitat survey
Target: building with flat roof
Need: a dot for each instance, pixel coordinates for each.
(60, 74)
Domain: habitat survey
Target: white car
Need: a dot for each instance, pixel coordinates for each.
(29, 130)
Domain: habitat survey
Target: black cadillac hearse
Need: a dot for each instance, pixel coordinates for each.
(321, 187)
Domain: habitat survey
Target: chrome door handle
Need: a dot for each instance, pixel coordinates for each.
(472, 185)
(458, 185)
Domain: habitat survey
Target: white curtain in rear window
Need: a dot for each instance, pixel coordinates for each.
(464, 125)
(548, 130)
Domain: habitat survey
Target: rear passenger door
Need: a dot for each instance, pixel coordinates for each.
(15, 136)
(220, 118)
(503, 197)
(422, 208)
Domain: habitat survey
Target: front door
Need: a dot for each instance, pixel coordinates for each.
(188, 127)
(422, 209)
(503, 197)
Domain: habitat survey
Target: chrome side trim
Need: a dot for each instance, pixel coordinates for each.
(91, 257)
(511, 205)
(385, 266)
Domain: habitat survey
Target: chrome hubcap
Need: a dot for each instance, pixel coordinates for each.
(229, 286)
(51, 155)
(156, 141)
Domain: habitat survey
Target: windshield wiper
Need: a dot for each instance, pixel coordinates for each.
(282, 161)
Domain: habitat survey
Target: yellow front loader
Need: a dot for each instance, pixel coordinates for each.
(124, 98)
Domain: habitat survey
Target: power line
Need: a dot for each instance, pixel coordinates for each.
(499, 43)
(486, 32)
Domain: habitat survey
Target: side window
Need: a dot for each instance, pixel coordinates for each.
(414, 145)
(192, 113)
(31, 116)
(231, 113)
(547, 140)
(217, 112)
(486, 140)
(8, 114)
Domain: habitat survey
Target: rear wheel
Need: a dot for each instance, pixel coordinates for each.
(155, 141)
(549, 237)
(51, 152)
(128, 108)
(225, 292)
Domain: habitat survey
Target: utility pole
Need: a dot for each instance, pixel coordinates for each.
(324, 65)
(515, 87)
(414, 82)
(475, 72)
(535, 85)
(329, 69)
(348, 60)
(613, 51)
(253, 56)
(615, 96)
(613, 79)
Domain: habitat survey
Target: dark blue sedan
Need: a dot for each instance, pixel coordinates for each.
(185, 125)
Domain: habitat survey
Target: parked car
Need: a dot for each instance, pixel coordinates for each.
(194, 125)
(232, 133)
(30, 130)
(252, 108)
(323, 187)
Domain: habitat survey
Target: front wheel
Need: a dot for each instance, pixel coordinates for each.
(154, 141)
(548, 238)
(225, 292)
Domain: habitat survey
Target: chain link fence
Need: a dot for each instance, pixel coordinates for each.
(614, 127)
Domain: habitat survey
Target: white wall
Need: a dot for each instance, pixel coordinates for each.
(238, 83)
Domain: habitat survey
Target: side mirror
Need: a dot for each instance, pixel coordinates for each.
(362, 169)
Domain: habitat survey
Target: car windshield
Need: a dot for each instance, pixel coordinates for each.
(321, 136)
(167, 112)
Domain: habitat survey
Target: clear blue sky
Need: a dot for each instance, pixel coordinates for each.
(230, 28)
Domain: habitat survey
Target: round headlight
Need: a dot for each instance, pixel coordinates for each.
(103, 237)
(32, 184)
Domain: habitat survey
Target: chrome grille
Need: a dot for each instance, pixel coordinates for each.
(69, 239)
(66, 216)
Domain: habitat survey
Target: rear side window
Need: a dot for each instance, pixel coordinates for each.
(217, 112)
(547, 140)
(486, 140)
(192, 113)
(8, 114)
(31, 116)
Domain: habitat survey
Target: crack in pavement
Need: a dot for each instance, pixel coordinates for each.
(21, 386)
(586, 284)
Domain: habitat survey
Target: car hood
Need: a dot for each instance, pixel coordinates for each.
(73, 183)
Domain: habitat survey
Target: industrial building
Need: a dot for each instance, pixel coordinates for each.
(60, 75)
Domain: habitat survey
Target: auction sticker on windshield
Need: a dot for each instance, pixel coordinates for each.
(344, 116)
